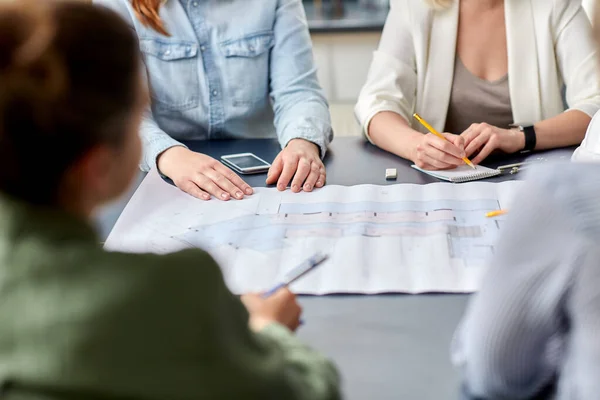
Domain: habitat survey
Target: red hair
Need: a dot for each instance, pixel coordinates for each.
(147, 13)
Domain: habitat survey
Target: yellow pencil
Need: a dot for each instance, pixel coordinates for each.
(436, 133)
(496, 213)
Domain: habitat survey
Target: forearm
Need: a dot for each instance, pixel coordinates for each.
(154, 142)
(566, 129)
(301, 110)
(308, 120)
(311, 375)
(391, 132)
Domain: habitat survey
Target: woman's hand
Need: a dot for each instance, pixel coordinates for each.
(433, 153)
(200, 175)
(282, 308)
(486, 138)
(301, 160)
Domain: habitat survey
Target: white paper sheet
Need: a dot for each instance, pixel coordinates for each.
(399, 238)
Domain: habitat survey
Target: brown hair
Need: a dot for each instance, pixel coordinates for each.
(147, 13)
(68, 82)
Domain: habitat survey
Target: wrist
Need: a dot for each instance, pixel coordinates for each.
(257, 324)
(165, 159)
(413, 141)
(518, 140)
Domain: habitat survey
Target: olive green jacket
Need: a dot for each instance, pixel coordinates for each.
(77, 322)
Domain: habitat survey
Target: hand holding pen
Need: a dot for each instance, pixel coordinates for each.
(281, 308)
(279, 304)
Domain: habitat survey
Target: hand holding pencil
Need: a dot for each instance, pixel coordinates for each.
(433, 153)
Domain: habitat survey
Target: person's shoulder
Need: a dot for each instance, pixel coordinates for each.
(419, 6)
(415, 12)
(560, 12)
(121, 7)
(193, 267)
(572, 187)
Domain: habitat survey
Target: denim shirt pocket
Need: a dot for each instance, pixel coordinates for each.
(172, 73)
(246, 67)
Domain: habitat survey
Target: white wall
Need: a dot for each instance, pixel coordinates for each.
(343, 61)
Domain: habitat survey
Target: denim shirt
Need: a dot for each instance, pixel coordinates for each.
(230, 69)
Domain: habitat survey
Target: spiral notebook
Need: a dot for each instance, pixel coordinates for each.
(464, 173)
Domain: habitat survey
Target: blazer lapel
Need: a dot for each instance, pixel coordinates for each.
(433, 105)
(523, 68)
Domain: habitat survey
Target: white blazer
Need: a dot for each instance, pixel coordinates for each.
(549, 42)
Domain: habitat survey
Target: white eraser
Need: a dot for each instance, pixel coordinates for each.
(391, 173)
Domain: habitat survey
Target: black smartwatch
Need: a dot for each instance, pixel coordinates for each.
(530, 138)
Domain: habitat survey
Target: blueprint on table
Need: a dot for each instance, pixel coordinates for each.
(399, 238)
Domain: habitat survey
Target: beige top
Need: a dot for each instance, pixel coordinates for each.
(475, 100)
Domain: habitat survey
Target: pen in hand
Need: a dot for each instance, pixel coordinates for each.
(436, 133)
(298, 272)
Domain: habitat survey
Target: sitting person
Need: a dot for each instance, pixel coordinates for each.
(533, 327)
(228, 70)
(77, 322)
(532, 330)
(473, 68)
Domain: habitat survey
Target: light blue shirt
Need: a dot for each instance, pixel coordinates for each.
(536, 319)
(230, 69)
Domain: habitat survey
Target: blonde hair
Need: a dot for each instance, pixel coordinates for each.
(439, 4)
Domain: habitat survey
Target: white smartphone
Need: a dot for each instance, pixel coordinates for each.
(246, 163)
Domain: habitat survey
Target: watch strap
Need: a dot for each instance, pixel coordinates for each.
(530, 138)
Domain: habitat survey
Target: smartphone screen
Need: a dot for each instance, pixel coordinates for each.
(246, 163)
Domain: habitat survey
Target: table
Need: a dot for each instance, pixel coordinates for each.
(388, 346)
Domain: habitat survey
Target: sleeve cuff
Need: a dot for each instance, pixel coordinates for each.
(370, 116)
(588, 108)
(321, 140)
(156, 148)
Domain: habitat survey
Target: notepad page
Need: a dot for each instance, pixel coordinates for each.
(464, 173)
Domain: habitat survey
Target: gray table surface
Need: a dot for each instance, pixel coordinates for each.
(387, 346)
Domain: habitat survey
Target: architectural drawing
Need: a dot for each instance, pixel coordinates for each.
(400, 238)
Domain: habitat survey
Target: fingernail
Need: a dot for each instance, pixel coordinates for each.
(280, 187)
(295, 188)
(307, 187)
(319, 183)
(239, 195)
(248, 191)
(206, 197)
(224, 196)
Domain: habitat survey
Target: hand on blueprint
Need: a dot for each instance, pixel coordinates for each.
(484, 138)
(301, 160)
(282, 308)
(433, 153)
(201, 175)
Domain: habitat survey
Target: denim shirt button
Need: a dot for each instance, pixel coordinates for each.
(215, 93)
(195, 4)
(251, 48)
(202, 48)
(167, 52)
